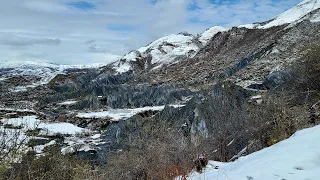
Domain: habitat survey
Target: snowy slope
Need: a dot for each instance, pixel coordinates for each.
(296, 158)
(294, 15)
(167, 48)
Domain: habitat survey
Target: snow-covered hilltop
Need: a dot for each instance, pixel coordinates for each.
(162, 51)
(166, 50)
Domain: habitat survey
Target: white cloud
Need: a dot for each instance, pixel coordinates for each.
(54, 31)
(14, 40)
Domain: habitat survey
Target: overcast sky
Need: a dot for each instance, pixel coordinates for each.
(93, 31)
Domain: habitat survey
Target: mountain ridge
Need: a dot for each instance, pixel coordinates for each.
(171, 49)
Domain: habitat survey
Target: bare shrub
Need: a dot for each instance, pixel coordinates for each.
(53, 166)
(11, 146)
(156, 151)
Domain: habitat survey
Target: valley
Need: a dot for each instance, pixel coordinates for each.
(228, 97)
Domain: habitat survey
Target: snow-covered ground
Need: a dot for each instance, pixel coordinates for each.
(31, 122)
(297, 158)
(118, 114)
(75, 135)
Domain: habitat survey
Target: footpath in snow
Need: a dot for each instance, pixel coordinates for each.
(297, 158)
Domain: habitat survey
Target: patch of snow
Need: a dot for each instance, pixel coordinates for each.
(211, 32)
(256, 97)
(2, 79)
(60, 128)
(118, 114)
(131, 56)
(96, 136)
(295, 158)
(39, 149)
(67, 102)
(248, 26)
(247, 83)
(31, 122)
(86, 148)
(125, 67)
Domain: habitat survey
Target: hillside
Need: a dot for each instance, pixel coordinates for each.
(280, 161)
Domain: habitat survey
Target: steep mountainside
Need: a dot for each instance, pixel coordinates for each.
(247, 54)
(243, 54)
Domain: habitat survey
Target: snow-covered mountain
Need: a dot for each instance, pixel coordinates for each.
(166, 50)
(40, 70)
(174, 47)
(162, 51)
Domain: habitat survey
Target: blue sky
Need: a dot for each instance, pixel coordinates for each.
(94, 31)
(83, 5)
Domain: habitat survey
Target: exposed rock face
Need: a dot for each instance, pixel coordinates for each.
(140, 96)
